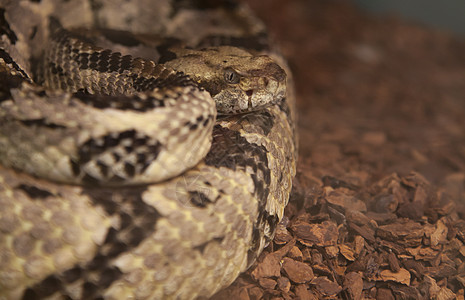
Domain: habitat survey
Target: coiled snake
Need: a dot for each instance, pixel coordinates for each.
(117, 178)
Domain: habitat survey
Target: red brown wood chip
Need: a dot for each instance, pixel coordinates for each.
(326, 286)
(324, 234)
(297, 271)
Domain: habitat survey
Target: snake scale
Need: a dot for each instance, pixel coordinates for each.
(119, 179)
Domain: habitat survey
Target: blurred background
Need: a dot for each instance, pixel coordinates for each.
(446, 15)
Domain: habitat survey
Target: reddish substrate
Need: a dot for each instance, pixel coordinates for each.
(378, 206)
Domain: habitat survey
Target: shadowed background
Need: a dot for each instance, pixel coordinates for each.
(445, 15)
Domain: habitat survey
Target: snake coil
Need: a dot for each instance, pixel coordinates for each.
(158, 169)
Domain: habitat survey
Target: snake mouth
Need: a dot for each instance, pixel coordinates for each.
(249, 94)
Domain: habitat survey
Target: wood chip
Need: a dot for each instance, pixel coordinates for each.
(297, 271)
(345, 201)
(296, 254)
(347, 252)
(407, 233)
(269, 267)
(255, 293)
(403, 276)
(439, 236)
(302, 292)
(384, 294)
(393, 262)
(326, 286)
(267, 283)
(284, 284)
(365, 231)
(282, 235)
(324, 234)
(353, 283)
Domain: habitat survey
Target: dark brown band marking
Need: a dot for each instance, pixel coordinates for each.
(137, 222)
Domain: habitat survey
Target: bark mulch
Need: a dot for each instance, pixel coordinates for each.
(378, 205)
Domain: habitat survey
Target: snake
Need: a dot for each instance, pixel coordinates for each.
(147, 147)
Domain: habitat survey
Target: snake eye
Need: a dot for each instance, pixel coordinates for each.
(231, 76)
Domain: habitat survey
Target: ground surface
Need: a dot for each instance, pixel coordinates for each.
(378, 206)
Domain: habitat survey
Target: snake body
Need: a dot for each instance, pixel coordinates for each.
(118, 179)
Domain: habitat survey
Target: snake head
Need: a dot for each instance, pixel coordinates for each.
(237, 80)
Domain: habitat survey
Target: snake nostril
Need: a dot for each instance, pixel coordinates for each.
(266, 81)
(249, 93)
